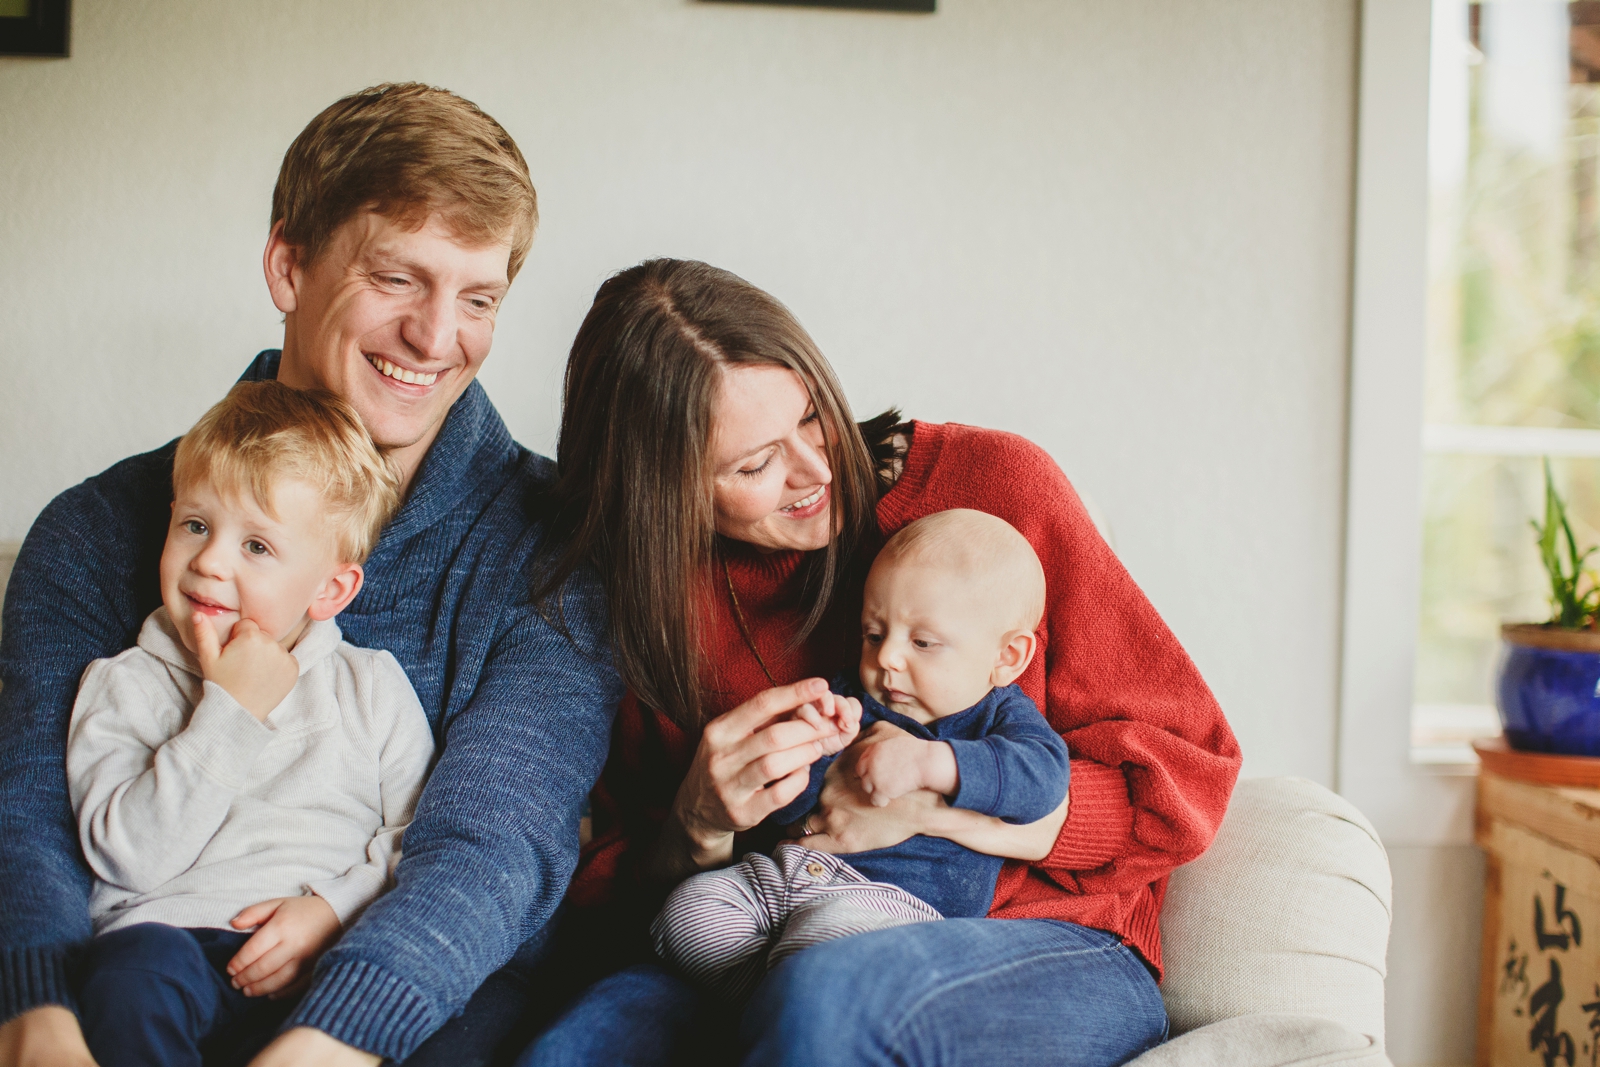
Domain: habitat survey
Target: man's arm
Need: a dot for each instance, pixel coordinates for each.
(492, 845)
(73, 597)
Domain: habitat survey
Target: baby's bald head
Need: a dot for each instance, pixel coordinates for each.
(982, 550)
(949, 612)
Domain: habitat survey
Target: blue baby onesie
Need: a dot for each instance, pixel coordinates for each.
(1012, 765)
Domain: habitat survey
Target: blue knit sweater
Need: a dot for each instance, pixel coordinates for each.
(521, 715)
(1012, 766)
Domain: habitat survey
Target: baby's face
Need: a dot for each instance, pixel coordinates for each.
(930, 640)
(226, 559)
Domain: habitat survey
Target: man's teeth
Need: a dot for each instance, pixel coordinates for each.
(389, 370)
(807, 502)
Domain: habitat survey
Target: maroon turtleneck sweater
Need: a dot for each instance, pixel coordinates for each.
(1153, 758)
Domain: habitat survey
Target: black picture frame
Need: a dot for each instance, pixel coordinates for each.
(922, 7)
(46, 30)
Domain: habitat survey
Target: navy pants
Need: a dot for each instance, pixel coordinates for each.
(159, 996)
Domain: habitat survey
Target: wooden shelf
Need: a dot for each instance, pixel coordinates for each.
(1541, 768)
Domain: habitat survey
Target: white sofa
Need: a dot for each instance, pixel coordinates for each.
(1274, 940)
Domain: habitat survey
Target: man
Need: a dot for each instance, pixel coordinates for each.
(401, 216)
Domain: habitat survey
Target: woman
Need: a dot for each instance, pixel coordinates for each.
(710, 469)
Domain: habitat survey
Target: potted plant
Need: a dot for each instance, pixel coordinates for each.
(1549, 684)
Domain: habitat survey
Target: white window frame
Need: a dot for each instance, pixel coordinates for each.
(1408, 802)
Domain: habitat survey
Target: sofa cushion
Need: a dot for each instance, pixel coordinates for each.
(1272, 1040)
(1288, 911)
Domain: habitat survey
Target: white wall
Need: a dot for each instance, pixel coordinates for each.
(1120, 227)
(1431, 996)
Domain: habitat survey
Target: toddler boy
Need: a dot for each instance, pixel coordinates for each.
(242, 768)
(951, 605)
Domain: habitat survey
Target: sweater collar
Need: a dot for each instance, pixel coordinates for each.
(770, 568)
(159, 637)
(473, 444)
(895, 507)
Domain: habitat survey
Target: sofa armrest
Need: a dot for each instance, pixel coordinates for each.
(1268, 1040)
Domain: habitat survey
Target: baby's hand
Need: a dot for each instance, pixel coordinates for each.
(252, 667)
(840, 715)
(277, 960)
(891, 763)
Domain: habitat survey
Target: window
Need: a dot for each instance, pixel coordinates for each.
(1513, 349)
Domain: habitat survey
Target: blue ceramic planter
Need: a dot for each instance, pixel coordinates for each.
(1549, 690)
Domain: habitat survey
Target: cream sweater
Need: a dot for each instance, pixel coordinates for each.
(190, 809)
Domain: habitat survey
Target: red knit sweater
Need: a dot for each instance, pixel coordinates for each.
(1153, 758)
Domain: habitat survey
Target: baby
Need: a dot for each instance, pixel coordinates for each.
(242, 768)
(948, 624)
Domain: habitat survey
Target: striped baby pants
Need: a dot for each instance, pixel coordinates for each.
(725, 929)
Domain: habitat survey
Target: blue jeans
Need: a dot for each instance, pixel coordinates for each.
(159, 996)
(959, 991)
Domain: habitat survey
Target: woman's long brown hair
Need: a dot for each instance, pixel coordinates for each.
(633, 494)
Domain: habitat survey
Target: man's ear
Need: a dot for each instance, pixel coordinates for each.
(1015, 654)
(337, 592)
(281, 262)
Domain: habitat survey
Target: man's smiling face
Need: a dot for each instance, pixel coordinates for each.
(393, 319)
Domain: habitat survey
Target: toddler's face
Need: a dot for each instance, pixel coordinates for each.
(930, 641)
(226, 559)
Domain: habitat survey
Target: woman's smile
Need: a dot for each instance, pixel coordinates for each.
(808, 506)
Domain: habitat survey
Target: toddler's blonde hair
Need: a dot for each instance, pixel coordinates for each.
(264, 431)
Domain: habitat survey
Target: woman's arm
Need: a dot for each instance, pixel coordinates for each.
(850, 823)
(996, 837)
(925, 812)
(750, 762)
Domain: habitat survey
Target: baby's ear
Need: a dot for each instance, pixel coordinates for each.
(337, 591)
(1016, 652)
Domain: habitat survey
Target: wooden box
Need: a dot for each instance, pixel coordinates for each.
(1538, 819)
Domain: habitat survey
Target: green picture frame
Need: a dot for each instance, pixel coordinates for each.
(44, 29)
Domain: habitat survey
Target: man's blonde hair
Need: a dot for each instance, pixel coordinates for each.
(264, 431)
(406, 151)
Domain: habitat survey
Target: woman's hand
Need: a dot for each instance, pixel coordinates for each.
(849, 822)
(751, 762)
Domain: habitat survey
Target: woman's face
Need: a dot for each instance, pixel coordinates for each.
(770, 474)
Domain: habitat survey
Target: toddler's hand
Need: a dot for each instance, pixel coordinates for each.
(292, 932)
(891, 763)
(252, 667)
